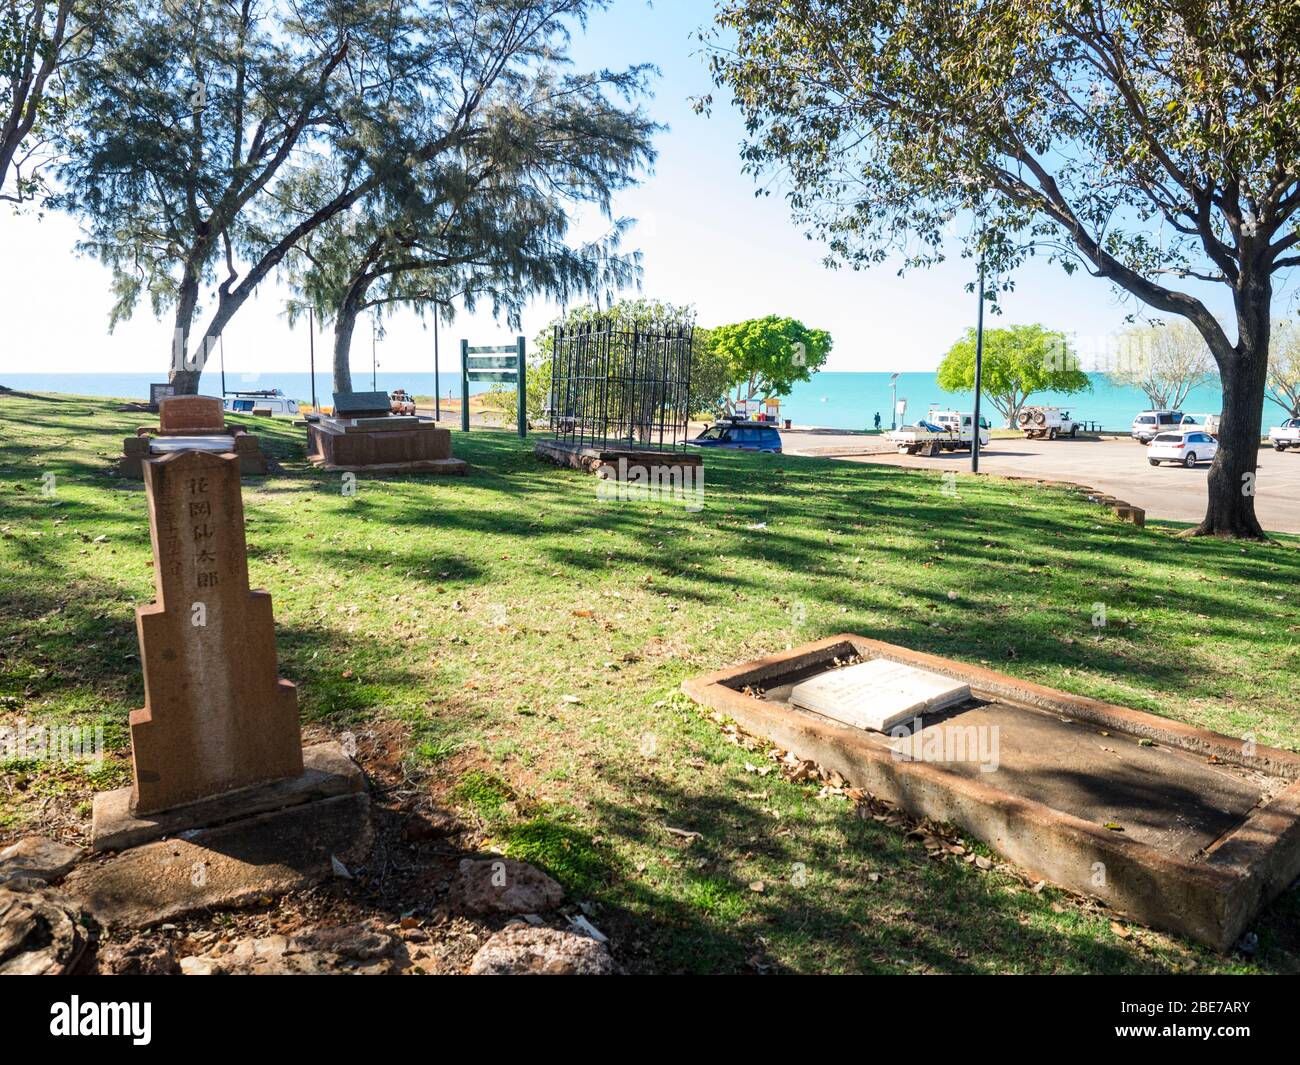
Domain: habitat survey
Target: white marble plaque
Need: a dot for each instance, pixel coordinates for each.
(878, 694)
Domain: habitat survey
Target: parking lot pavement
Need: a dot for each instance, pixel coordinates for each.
(1120, 467)
(833, 443)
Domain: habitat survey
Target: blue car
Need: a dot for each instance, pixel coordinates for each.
(740, 436)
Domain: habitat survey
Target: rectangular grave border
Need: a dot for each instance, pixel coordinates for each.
(1211, 899)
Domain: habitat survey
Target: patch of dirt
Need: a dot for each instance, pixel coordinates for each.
(405, 885)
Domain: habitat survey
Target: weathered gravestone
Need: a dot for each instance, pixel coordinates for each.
(216, 717)
(190, 414)
(191, 423)
(218, 759)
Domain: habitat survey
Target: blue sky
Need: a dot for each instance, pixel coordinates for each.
(706, 239)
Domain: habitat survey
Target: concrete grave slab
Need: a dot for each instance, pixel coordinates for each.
(230, 865)
(877, 694)
(1180, 828)
(327, 773)
(590, 459)
(217, 442)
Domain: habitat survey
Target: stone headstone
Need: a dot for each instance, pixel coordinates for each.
(361, 404)
(878, 694)
(158, 392)
(191, 414)
(216, 717)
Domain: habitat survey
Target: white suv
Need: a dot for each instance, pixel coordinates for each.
(1188, 448)
(1150, 422)
(1285, 435)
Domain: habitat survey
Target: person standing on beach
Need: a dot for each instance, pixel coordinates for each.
(877, 421)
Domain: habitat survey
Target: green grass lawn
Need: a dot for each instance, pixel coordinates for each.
(527, 640)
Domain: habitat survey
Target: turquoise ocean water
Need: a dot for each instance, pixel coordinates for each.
(833, 400)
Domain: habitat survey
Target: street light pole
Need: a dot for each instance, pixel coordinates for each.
(979, 369)
(311, 349)
(893, 402)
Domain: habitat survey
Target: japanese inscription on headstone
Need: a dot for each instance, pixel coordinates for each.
(216, 717)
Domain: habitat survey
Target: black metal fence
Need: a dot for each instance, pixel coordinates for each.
(618, 383)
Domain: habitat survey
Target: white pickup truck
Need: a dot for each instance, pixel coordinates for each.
(1286, 435)
(1047, 422)
(943, 430)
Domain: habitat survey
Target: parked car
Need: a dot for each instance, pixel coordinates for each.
(1187, 447)
(401, 401)
(740, 436)
(1286, 435)
(1047, 422)
(1150, 422)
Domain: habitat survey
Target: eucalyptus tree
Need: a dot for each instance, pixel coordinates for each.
(193, 131)
(1150, 142)
(41, 43)
(1167, 361)
(1284, 368)
(490, 221)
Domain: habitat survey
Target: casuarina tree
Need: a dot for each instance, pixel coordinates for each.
(193, 129)
(490, 224)
(42, 42)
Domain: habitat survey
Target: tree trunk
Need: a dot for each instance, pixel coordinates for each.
(344, 323)
(186, 371)
(1243, 370)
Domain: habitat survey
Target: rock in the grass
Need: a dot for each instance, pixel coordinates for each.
(36, 856)
(138, 956)
(40, 929)
(362, 949)
(503, 885)
(523, 951)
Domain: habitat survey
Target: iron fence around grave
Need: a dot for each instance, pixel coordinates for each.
(619, 383)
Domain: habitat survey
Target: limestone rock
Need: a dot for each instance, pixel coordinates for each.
(520, 950)
(502, 885)
(36, 856)
(138, 956)
(361, 949)
(40, 929)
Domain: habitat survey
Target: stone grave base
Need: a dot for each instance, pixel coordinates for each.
(590, 458)
(1182, 829)
(382, 445)
(327, 773)
(227, 851)
(247, 448)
